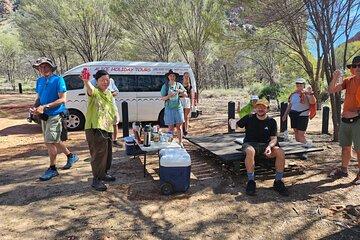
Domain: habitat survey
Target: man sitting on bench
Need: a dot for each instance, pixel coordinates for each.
(261, 141)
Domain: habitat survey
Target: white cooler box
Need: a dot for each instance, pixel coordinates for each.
(175, 168)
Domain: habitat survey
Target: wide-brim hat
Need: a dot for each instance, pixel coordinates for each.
(263, 102)
(42, 60)
(355, 61)
(300, 80)
(172, 72)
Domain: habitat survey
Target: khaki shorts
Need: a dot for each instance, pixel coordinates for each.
(349, 133)
(52, 129)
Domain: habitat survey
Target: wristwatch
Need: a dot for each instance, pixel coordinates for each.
(46, 107)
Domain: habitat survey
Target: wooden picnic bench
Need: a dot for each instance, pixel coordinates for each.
(229, 152)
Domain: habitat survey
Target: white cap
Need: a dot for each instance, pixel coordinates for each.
(300, 80)
(254, 97)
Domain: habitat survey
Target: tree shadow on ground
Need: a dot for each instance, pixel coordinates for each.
(298, 192)
(33, 150)
(42, 191)
(351, 233)
(21, 129)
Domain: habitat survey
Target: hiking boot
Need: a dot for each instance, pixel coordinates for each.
(49, 174)
(338, 173)
(98, 185)
(279, 186)
(108, 178)
(251, 188)
(73, 158)
(116, 144)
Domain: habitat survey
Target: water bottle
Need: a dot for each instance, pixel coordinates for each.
(85, 73)
(147, 136)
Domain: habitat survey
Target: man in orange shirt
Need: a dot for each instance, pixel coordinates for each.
(349, 131)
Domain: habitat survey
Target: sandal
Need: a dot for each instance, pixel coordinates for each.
(338, 173)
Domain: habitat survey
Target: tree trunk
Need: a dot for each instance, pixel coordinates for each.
(197, 72)
(335, 100)
(226, 77)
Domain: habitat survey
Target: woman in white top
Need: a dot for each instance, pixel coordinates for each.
(298, 109)
(188, 101)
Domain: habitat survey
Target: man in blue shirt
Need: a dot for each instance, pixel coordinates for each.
(51, 98)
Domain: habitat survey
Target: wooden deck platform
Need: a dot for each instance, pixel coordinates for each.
(225, 147)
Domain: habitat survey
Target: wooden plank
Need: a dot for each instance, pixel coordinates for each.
(223, 146)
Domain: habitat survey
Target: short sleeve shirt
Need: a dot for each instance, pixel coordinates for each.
(297, 105)
(351, 86)
(173, 102)
(257, 130)
(48, 89)
(101, 111)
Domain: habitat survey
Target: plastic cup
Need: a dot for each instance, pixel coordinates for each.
(232, 123)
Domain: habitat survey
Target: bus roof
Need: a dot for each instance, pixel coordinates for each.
(167, 65)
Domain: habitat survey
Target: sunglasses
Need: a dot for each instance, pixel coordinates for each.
(355, 66)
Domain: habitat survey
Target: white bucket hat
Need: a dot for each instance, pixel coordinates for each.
(300, 80)
(254, 97)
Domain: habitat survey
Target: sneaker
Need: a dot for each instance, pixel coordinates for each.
(251, 188)
(70, 161)
(49, 174)
(98, 185)
(117, 144)
(279, 186)
(308, 144)
(108, 178)
(338, 173)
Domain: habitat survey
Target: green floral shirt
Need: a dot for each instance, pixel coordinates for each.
(101, 110)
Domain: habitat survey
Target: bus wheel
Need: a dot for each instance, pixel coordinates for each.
(75, 121)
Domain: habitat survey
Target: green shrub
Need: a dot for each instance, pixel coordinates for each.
(255, 88)
(272, 90)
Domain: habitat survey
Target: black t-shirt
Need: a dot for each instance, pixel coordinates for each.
(257, 130)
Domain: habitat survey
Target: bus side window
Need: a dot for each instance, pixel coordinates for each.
(180, 79)
(73, 82)
(125, 83)
(158, 82)
(144, 83)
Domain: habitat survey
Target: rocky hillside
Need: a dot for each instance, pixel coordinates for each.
(355, 38)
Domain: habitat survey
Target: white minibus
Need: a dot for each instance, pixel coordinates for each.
(139, 84)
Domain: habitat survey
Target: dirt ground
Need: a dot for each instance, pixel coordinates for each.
(215, 207)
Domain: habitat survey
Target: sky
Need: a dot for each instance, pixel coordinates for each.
(340, 40)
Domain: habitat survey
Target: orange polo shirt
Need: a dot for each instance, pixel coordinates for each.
(352, 87)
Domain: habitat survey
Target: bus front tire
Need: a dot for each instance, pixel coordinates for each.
(75, 120)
